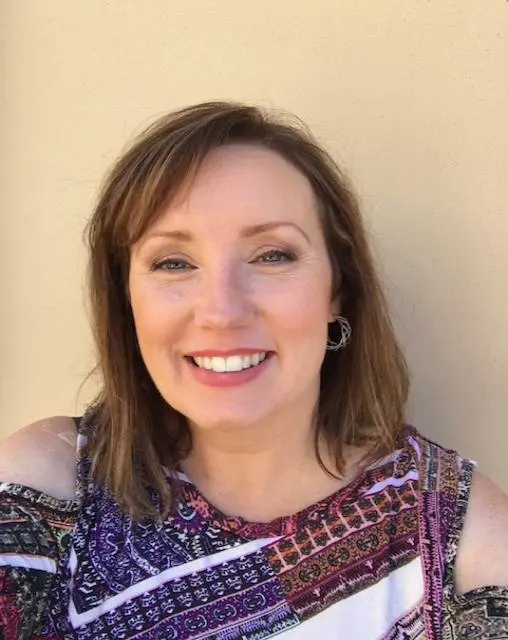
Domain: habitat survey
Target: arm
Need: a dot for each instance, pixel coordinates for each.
(37, 514)
(482, 557)
(42, 456)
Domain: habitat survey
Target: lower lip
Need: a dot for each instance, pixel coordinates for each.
(228, 378)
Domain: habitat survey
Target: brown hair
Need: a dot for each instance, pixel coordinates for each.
(364, 387)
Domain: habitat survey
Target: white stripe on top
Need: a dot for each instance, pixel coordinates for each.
(368, 614)
(27, 562)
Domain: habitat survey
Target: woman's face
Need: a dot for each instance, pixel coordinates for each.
(230, 292)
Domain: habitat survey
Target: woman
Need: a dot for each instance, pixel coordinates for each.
(245, 471)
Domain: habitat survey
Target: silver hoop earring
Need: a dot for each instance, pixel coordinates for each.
(345, 335)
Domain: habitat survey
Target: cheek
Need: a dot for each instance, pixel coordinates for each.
(302, 312)
(154, 316)
(304, 300)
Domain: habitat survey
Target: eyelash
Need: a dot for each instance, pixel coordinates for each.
(160, 264)
(286, 255)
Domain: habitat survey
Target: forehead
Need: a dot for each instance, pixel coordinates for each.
(245, 180)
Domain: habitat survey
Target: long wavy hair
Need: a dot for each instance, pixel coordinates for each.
(137, 437)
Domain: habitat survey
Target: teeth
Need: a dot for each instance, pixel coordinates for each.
(219, 364)
(234, 363)
(231, 363)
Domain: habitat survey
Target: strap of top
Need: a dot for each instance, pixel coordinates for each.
(482, 613)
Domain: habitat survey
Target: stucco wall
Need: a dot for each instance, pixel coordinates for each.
(411, 96)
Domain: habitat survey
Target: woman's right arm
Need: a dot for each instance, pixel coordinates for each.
(42, 456)
(37, 514)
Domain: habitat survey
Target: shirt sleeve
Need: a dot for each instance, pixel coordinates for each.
(480, 614)
(34, 532)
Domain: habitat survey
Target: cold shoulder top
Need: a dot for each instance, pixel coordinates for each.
(373, 561)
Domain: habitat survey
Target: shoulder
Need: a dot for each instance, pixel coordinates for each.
(482, 557)
(42, 456)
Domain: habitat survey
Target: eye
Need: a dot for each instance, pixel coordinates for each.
(275, 256)
(172, 264)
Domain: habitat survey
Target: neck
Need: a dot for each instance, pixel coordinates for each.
(260, 471)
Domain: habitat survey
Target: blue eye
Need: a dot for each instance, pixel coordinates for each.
(172, 264)
(276, 256)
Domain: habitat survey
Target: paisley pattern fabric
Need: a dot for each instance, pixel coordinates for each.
(373, 561)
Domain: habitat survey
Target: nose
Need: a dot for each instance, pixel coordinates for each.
(224, 301)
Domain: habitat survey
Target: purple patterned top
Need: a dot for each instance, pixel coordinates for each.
(374, 560)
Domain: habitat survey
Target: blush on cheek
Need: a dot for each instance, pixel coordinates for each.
(304, 314)
(152, 316)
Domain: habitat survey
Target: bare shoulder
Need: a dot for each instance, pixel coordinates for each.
(42, 456)
(482, 558)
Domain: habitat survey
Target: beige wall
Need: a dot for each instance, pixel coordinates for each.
(411, 95)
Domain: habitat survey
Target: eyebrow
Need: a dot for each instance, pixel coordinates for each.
(247, 232)
(256, 229)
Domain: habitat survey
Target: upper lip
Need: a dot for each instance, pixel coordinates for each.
(224, 353)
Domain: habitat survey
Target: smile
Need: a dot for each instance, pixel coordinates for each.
(229, 363)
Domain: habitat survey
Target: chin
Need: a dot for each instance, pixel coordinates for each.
(223, 420)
